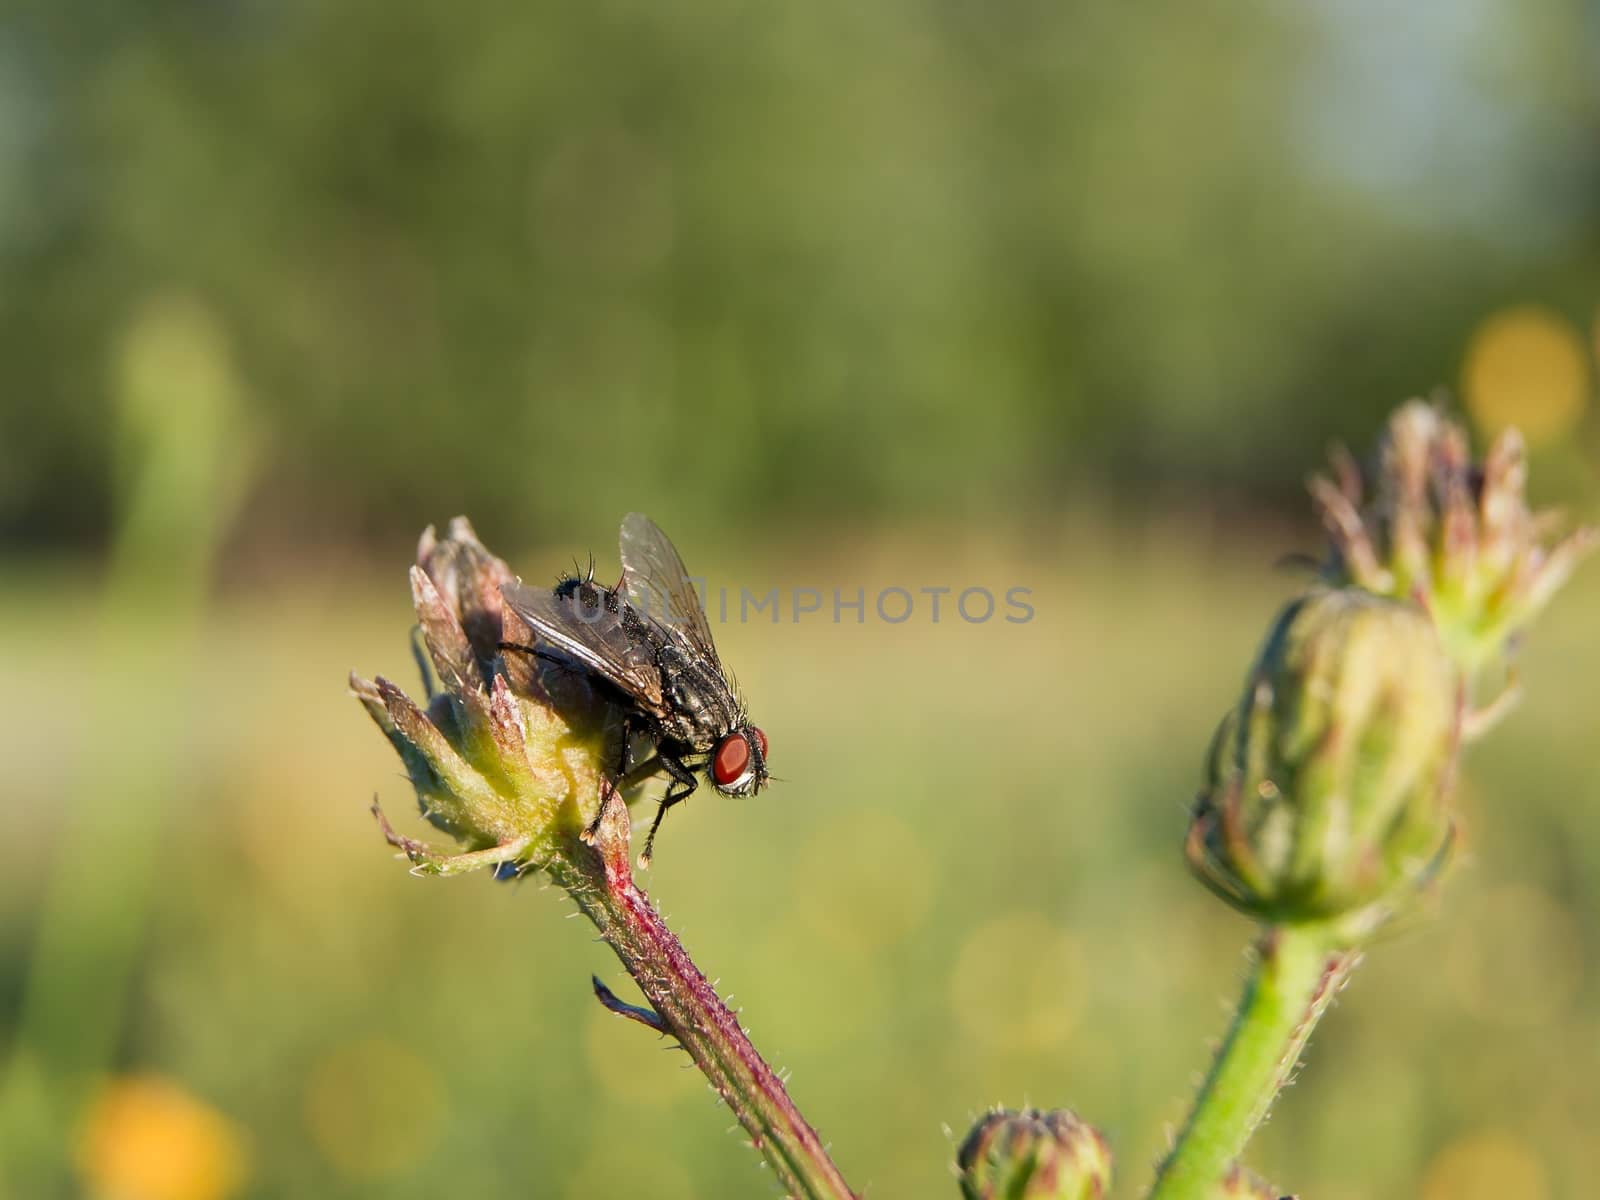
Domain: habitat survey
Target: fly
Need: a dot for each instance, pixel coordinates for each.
(648, 643)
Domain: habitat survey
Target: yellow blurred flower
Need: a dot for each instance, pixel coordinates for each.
(148, 1139)
(1527, 366)
(1492, 1165)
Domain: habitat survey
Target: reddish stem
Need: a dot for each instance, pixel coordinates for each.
(691, 1011)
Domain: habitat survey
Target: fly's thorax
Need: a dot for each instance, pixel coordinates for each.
(593, 600)
(702, 709)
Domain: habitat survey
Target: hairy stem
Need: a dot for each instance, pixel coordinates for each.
(1298, 971)
(688, 1008)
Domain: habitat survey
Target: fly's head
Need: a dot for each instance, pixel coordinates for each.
(739, 763)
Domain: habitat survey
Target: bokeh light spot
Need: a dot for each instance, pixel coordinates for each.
(879, 881)
(1493, 1165)
(373, 1108)
(1017, 983)
(1528, 367)
(148, 1139)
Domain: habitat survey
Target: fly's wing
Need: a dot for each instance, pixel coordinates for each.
(592, 637)
(659, 585)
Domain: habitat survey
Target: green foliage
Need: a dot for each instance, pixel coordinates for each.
(374, 1035)
(468, 256)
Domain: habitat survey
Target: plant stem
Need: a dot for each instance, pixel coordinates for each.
(186, 467)
(1298, 971)
(600, 880)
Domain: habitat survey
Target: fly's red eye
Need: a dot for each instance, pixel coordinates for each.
(731, 760)
(761, 740)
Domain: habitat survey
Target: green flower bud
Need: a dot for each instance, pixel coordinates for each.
(497, 760)
(1427, 523)
(1033, 1155)
(1327, 790)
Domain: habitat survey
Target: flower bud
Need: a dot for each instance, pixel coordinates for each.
(1033, 1155)
(495, 760)
(1425, 522)
(1327, 790)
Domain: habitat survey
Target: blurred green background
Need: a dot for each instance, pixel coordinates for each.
(911, 294)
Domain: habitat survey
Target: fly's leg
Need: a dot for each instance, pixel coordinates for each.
(543, 654)
(638, 774)
(683, 782)
(682, 787)
(624, 764)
